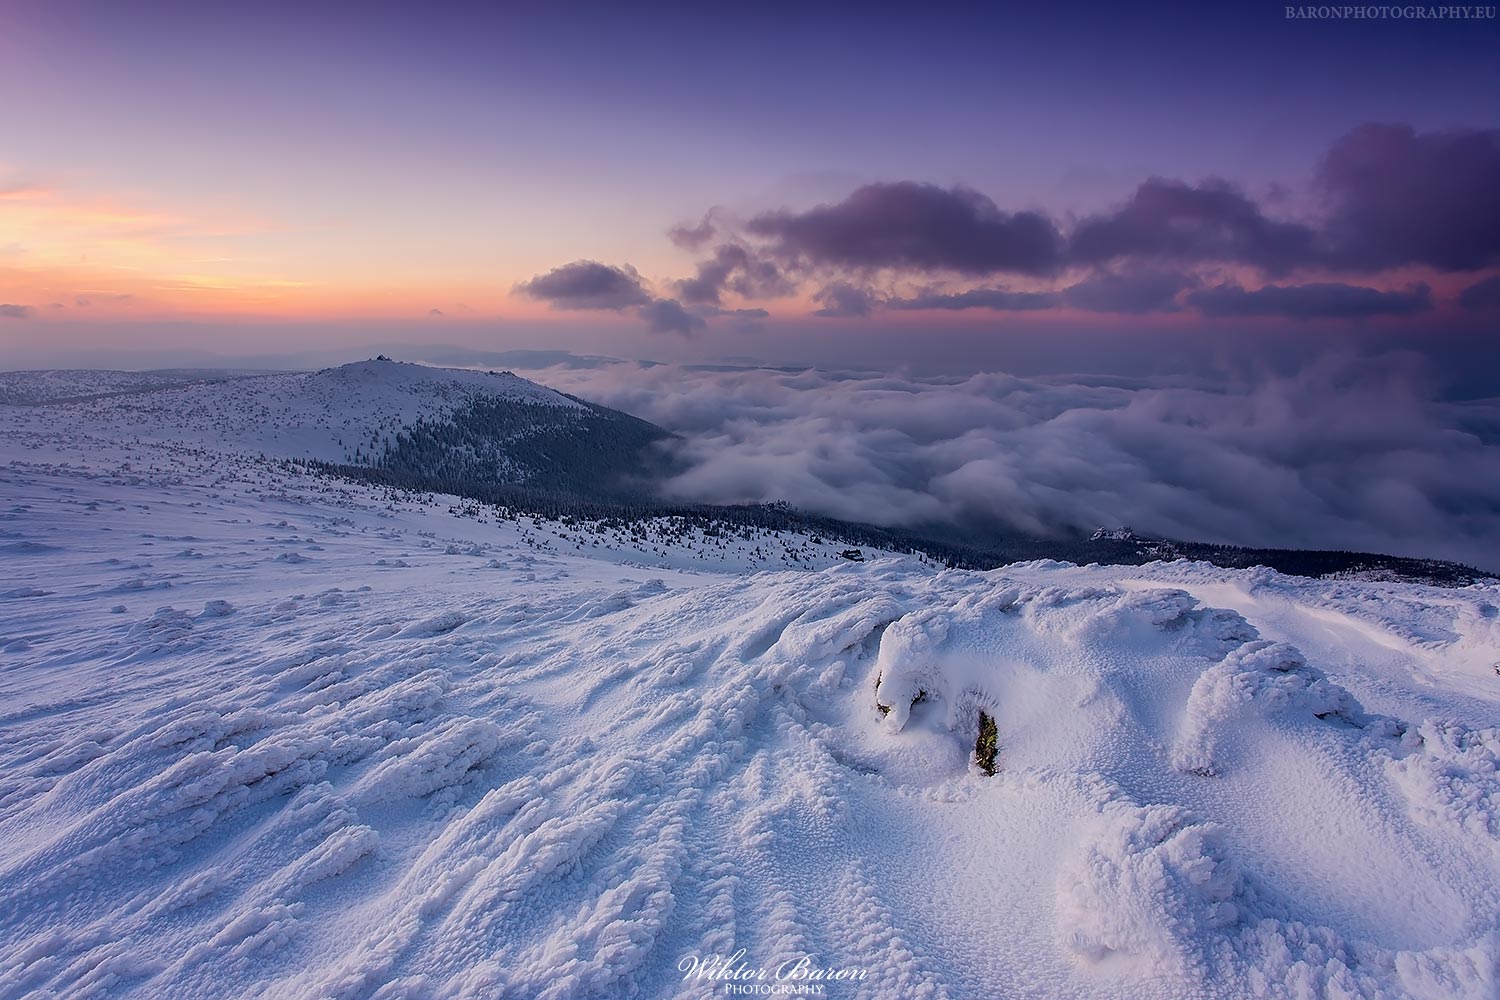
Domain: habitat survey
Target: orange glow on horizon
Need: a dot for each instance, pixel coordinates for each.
(97, 257)
(71, 253)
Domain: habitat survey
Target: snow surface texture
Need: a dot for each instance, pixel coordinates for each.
(265, 735)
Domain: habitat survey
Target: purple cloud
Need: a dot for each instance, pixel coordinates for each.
(914, 227)
(1403, 197)
(998, 299)
(1482, 294)
(10, 310)
(841, 300)
(1171, 220)
(669, 316)
(736, 269)
(588, 284)
(1134, 293)
(691, 237)
(1386, 197)
(1322, 300)
(744, 314)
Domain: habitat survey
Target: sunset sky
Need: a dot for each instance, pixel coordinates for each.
(948, 186)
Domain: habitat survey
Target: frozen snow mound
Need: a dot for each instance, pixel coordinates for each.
(1073, 674)
(1262, 677)
(1151, 883)
(1452, 778)
(1153, 894)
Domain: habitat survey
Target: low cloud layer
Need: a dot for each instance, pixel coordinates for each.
(1348, 454)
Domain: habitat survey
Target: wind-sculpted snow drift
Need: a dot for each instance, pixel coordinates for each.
(450, 754)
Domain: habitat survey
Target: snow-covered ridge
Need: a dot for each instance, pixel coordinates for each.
(328, 415)
(62, 384)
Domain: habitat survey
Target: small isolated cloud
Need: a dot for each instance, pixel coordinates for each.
(22, 190)
(435, 312)
(119, 298)
(842, 300)
(694, 237)
(914, 227)
(1133, 293)
(1481, 295)
(669, 316)
(9, 310)
(1324, 300)
(998, 299)
(588, 284)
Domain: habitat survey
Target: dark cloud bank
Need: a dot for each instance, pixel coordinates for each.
(1346, 454)
(1383, 198)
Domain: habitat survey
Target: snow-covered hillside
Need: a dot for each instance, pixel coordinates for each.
(325, 415)
(264, 734)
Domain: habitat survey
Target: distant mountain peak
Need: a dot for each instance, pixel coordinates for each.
(409, 376)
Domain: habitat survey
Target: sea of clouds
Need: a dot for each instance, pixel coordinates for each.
(1346, 453)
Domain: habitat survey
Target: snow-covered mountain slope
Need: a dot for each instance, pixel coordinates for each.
(62, 385)
(264, 734)
(325, 415)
